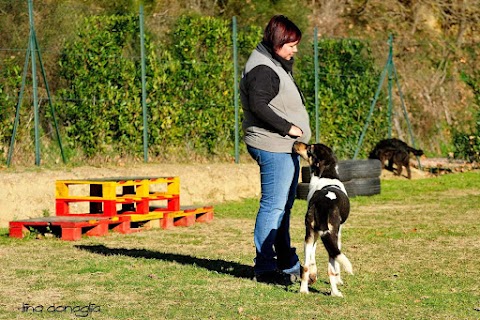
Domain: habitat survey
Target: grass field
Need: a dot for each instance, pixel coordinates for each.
(415, 250)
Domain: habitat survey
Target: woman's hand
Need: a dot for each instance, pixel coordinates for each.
(295, 131)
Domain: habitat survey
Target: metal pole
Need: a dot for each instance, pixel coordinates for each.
(390, 80)
(377, 93)
(317, 112)
(34, 83)
(144, 91)
(52, 109)
(405, 114)
(235, 87)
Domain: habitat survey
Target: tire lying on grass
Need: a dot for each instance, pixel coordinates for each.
(351, 169)
(360, 177)
(362, 187)
(302, 190)
(359, 169)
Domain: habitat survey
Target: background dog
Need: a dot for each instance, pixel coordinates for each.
(328, 209)
(396, 152)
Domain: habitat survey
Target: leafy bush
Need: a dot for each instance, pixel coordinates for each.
(189, 87)
(467, 145)
(101, 97)
(347, 83)
(191, 101)
(11, 72)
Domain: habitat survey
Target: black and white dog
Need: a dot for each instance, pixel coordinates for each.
(328, 209)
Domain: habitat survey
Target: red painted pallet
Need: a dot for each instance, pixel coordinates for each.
(159, 217)
(71, 228)
(120, 204)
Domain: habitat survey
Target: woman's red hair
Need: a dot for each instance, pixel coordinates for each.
(280, 30)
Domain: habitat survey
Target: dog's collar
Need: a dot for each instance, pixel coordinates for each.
(317, 183)
(333, 186)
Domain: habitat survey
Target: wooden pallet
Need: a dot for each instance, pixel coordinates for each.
(107, 197)
(70, 228)
(160, 218)
(120, 204)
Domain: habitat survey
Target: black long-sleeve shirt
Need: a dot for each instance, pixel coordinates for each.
(263, 85)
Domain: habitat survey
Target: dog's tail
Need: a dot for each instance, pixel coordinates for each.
(334, 252)
(416, 152)
(373, 154)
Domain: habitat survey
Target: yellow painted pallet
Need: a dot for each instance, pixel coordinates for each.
(104, 194)
(108, 188)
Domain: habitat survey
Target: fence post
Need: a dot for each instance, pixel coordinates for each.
(235, 86)
(372, 106)
(390, 80)
(34, 83)
(144, 90)
(317, 107)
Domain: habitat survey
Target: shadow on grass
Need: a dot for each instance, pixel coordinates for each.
(220, 266)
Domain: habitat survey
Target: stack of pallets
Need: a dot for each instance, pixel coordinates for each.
(93, 207)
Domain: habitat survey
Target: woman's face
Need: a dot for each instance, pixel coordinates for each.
(287, 50)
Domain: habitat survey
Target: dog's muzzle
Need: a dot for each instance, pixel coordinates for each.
(302, 149)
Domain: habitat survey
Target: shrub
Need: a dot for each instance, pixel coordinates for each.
(11, 73)
(467, 145)
(189, 87)
(347, 83)
(101, 106)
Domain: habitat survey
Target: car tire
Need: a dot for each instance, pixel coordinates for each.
(351, 169)
(363, 187)
(360, 178)
(302, 190)
(306, 174)
(359, 169)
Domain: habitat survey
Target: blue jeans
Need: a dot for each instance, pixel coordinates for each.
(279, 174)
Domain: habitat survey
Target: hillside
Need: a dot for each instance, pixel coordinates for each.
(435, 46)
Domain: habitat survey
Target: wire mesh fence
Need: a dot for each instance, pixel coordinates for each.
(190, 84)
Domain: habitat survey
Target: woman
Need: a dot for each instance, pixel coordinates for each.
(274, 118)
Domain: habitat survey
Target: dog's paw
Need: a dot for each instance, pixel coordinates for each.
(304, 288)
(339, 281)
(337, 294)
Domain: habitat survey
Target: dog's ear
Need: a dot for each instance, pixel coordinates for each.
(319, 168)
(327, 155)
(301, 149)
(327, 161)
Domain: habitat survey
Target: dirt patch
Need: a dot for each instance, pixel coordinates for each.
(432, 167)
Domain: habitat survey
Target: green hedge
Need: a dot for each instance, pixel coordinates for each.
(191, 92)
(347, 83)
(467, 144)
(101, 107)
(11, 72)
(190, 89)
(189, 86)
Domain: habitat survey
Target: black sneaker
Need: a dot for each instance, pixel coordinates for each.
(275, 277)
